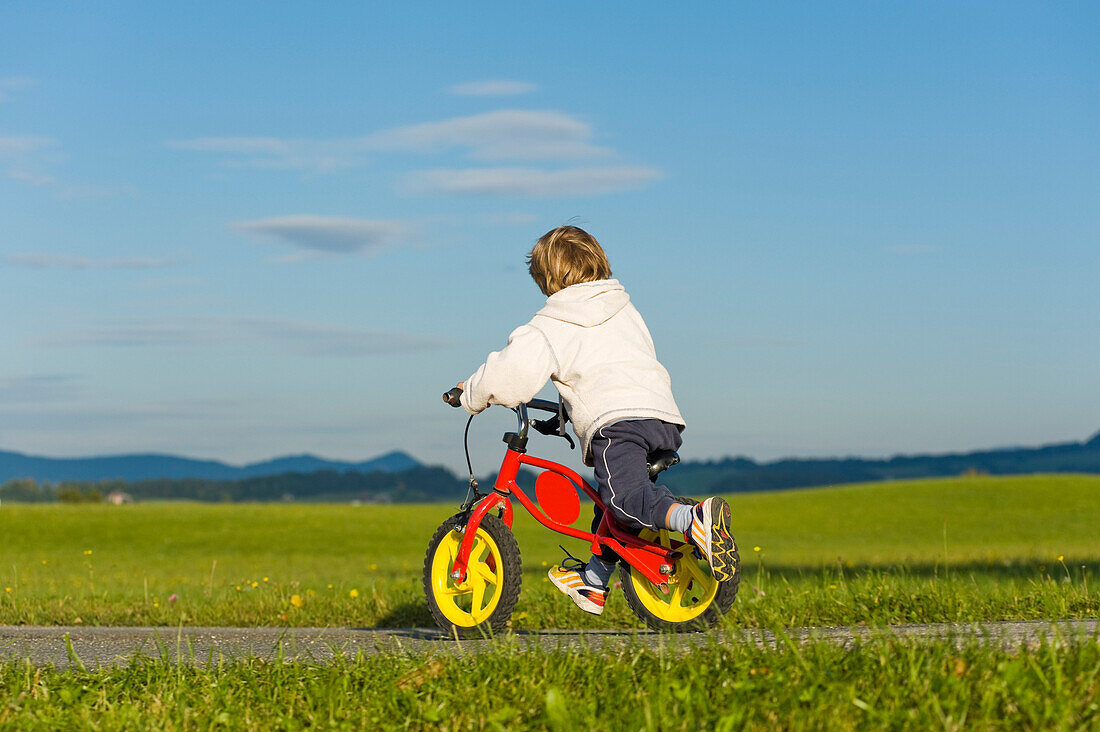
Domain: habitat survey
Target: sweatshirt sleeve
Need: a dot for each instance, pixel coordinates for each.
(512, 375)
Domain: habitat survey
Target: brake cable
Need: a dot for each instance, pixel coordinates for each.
(472, 494)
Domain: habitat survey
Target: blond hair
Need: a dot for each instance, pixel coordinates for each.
(565, 256)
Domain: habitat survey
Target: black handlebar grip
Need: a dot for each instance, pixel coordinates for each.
(452, 396)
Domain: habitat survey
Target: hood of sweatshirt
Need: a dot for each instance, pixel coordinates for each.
(586, 304)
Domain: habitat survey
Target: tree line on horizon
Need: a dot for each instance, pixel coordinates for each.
(692, 478)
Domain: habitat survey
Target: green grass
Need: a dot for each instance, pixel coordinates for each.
(921, 551)
(881, 684)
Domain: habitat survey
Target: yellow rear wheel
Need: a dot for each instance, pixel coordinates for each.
(693, 598)
(482, 602)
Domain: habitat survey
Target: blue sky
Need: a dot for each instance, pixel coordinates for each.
(237, 230)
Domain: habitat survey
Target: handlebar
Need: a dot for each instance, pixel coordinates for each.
(452, 397)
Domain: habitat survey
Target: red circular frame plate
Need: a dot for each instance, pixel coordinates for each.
(557, 497)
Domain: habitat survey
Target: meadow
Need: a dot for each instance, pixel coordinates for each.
(880, 685)
(975, 548)
(960, 549)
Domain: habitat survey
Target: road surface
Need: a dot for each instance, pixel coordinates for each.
(105, 646)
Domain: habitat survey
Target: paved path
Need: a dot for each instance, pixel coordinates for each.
(99, 646)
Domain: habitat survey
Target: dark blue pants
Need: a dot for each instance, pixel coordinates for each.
(619, 452)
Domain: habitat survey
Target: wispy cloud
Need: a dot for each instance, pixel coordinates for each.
(329, 340)
(507, 134)
(532, 182)
(37, 388)
(326, 235)
(13, 145)
(31, 178)
(28, 158)
(45, 260)
(492, 88)
(9, 84)
(135, 334)
(302, 337)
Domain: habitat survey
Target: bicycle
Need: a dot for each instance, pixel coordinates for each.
(472, 570)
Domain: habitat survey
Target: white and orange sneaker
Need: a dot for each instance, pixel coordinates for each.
(710, 533)
(589, 598)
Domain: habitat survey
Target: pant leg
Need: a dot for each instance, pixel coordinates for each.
(619, 453)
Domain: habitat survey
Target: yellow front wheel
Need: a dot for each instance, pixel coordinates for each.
(693, 599)
(482, 603)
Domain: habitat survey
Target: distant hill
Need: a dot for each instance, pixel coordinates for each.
(131, 468)
(733, 475)
(399, 477)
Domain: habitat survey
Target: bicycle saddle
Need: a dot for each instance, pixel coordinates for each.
(660, 460)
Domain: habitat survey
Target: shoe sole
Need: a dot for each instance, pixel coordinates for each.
(581, 601)
(721, 541)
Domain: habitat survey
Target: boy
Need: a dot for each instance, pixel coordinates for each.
(596, 348)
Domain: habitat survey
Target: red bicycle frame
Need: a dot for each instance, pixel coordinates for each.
(654, 561)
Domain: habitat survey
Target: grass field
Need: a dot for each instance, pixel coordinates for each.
(883, 684)
(929, 551)
(925, 551)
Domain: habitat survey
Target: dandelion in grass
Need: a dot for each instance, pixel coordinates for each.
(374, 566)
(832, 587)
(255, 585)
(87, 552)
(330, 587)
(310, 593)
(265, 579)
(1061, 558)
(756, 548)
(7, 589)
(353, 593)
(296, 600)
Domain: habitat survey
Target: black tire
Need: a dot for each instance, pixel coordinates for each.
(508, 579)
(713, 613)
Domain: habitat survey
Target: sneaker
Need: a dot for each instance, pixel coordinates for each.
(589, 598)
(710, 532)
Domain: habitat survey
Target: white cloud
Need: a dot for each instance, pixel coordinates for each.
(44, 260)
(329, 340)
(326, 234)
(507, 134)
(311, 339)
(532, 182)
(37, 388)
(13, 83)
(31, 178)
(25, 144)
(492, 88)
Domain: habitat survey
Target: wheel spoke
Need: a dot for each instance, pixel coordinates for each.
(484, 573)
(477, 602)
(478, 550)
(677, 599)
(691, 567)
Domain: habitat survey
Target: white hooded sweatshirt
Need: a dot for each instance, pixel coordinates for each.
(596, 348)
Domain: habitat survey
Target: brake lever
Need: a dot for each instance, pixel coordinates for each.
(551, 428)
